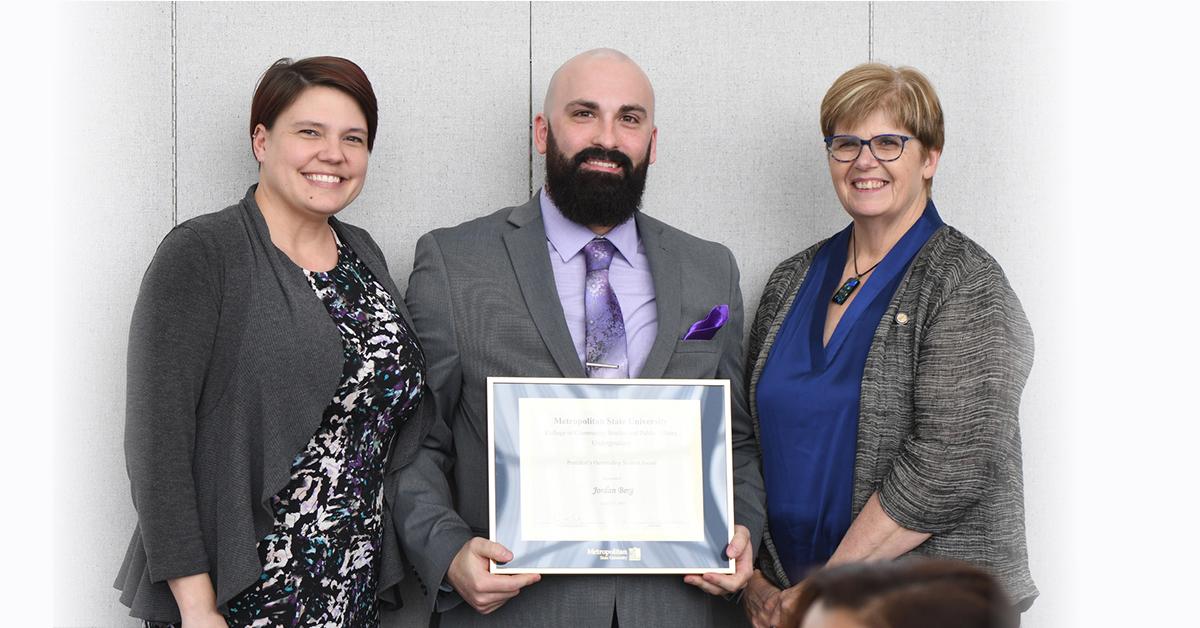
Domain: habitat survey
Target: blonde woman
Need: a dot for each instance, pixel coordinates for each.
(886, 366)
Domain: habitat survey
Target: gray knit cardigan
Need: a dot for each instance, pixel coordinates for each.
(232, 362)
(938, 434)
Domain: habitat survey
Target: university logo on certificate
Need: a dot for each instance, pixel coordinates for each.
(610, 475)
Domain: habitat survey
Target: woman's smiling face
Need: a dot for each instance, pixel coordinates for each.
(314, 157)
(869, 188)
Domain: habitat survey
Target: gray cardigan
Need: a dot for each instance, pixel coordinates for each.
(232, 361)
(938, 434)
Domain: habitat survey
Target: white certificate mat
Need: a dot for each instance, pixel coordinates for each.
(610, 476)
(592, 466)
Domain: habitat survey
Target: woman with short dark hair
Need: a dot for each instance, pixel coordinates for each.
(272, 372)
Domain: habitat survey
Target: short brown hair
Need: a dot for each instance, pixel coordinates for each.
(283, 82)
(904, 93)
(913, 592)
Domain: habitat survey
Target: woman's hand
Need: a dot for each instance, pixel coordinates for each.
(790, 614)
(873, 535)
(197, 602)
(761, 601)
(211, 619)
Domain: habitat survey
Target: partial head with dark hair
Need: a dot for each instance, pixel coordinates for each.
(284, 81)
(907, 593)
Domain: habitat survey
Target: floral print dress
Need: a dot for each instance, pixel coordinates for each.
(320, 562)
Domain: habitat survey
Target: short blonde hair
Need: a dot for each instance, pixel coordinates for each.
(903, 93)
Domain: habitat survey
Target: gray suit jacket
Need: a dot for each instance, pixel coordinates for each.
(484, 303)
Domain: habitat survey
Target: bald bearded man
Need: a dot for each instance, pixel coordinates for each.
(504, 295)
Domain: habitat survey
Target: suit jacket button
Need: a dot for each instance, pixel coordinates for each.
(902, 318)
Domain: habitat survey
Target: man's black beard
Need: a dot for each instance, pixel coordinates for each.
(589, 197)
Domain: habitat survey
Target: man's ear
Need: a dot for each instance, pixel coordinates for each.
(541, 130)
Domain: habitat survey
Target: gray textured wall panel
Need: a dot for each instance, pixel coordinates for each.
(116, 113)
(992, 65)
(737, 89)
(452, 83)
(996, 71)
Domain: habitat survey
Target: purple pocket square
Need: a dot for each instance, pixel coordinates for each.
(705, 328)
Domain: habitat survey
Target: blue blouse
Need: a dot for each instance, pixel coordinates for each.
(808, 396)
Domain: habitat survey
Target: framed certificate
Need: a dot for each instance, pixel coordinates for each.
(610, 475)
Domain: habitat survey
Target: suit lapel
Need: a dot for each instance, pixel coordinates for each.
(668, 295)
(531, 263)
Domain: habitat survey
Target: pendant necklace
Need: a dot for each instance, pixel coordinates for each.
(854, 282)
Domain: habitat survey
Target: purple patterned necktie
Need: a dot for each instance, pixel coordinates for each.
(604, 342)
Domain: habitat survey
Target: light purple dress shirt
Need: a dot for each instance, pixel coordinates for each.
(629, 276)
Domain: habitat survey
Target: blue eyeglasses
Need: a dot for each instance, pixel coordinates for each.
(847, 148)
